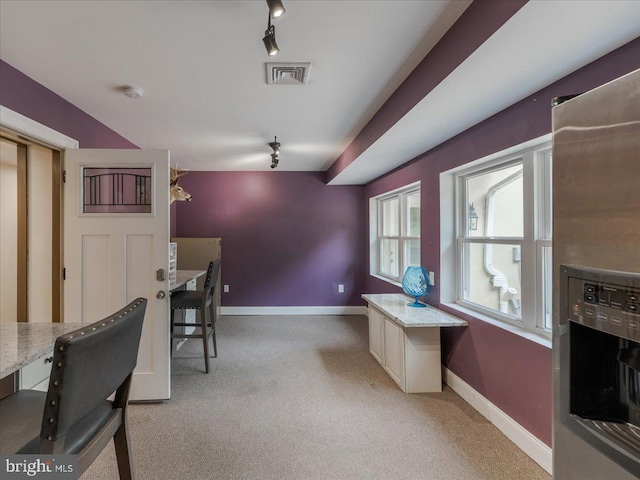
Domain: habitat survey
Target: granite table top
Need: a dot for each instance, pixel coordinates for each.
(395, 307)
(183, 276)
(22, 343)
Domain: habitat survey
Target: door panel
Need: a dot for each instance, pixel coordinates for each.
(96, 275)
(112, 257)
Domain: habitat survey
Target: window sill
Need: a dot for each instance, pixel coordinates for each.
(386, 279)
(531, 336)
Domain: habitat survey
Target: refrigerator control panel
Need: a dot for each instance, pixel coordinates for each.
(608, 307)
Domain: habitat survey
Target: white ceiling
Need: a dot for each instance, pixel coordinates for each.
(202, 67)
(543, 42)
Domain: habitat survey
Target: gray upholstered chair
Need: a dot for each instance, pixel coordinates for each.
(203, 301)
(75, 416)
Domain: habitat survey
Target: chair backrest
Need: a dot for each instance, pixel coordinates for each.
(89, 364)
(212, 273)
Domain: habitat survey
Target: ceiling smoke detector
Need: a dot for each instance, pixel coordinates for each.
(287, 73)
(132, 92)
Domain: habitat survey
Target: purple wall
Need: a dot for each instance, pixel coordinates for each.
(510, 371)
(26, 96)
(287, 238)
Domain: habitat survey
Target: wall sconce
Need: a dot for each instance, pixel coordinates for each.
(275, 146)
(473, 218)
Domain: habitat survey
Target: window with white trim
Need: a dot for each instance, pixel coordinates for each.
(395, 232)
(503, 238)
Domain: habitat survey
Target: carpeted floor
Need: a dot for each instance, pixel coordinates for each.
(300, 397)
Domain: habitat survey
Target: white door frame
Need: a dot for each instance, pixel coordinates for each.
(18, 123)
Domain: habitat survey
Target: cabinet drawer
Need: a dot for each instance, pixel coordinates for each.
(35, 372)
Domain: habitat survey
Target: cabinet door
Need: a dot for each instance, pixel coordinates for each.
(394, 352)
(376, 335)
(35, 373)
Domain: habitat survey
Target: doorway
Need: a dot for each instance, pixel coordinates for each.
(30, 231)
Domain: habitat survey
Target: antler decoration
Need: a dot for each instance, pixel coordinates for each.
(176, 192)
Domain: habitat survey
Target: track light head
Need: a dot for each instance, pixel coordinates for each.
(275, 146)
(276, 9)
(269, 40)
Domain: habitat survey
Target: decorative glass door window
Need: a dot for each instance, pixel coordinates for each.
(116, 190)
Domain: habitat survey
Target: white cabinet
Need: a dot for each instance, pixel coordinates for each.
(406, 340)
(376, 335)
(35, 375)
(410, 355)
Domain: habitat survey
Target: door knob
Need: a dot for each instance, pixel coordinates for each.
(160, 295)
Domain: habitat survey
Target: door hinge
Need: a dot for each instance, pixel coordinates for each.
(64, 273)
(64, 176)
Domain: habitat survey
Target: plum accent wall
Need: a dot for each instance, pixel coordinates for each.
(510, 371)
(24, 95)
(287, 238)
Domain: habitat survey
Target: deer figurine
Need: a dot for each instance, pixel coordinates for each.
(176, 192)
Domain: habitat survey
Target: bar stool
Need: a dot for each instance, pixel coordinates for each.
(74, 416)
(203, 302)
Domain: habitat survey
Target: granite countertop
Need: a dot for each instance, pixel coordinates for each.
(394, 306)
(21, 343)
(183, 276)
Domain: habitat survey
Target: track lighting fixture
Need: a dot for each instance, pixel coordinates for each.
(275, 146)
(276, 9)
(269, 39)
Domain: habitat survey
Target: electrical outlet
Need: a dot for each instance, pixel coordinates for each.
(340, 288)
(226, 289)
(432, 279)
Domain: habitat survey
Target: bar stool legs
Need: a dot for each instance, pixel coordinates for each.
(208, 328)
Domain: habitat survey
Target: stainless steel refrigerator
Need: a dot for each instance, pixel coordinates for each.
(596, 265)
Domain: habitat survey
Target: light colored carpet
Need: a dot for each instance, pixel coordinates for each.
(301, 398)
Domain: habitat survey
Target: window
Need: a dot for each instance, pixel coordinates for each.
(395, 232)
(502, 238)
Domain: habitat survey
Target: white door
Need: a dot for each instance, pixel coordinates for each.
(116, 239)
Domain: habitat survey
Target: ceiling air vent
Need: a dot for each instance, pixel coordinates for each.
(287, 73)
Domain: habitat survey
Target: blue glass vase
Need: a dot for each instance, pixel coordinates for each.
(416, 284)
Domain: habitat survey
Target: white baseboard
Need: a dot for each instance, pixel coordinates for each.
(539, 451)
(346, 310)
